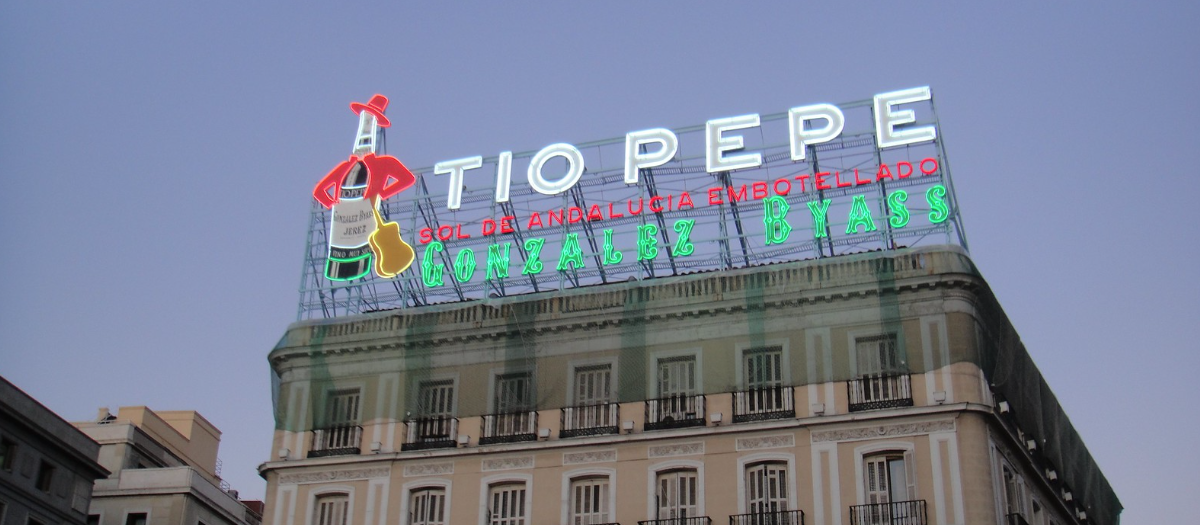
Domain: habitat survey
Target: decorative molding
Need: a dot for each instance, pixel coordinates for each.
(334, 475)
(512, 463)
(428, 469)
(595, 456)
(873, 432)
(773, 441)
(678, 449)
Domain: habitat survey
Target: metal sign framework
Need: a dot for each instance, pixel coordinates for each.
(728, 234)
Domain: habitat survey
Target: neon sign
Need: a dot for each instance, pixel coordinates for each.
(814, 181)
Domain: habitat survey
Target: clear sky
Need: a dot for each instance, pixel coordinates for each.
(158, 160)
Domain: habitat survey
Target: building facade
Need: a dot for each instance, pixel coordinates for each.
(164, 471)
(46, 466)
(878, 388)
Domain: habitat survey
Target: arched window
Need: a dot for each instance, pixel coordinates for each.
(331, 509)
(676, 494)
(506, 504)
(428, 506)
(766, 488)
(589, 500)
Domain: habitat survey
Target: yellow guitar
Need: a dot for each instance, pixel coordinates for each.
(392, 254)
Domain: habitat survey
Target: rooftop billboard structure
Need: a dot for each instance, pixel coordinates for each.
(814, 181)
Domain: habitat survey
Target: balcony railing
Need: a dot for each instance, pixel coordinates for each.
(1015, 518)
(675, 412)
(431, 432)
(876, 391)
(693, 520)
(336, 441)
(775, 402)
(589, 420)
(898, 513)
(780, 517)
(512, 427)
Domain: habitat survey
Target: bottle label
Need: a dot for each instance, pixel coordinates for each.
(352, 224)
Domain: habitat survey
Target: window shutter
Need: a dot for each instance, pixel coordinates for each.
(910, 468)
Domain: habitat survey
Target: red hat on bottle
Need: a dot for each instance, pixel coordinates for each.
(377, 105)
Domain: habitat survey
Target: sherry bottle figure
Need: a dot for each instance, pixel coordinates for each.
(353, 190)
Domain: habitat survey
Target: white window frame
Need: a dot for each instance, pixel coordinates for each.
(785, 364)
(328, 403)
(485, 487)
(904, 448)
(595, 472)
(766, 457)
(407, 489)
(852, 338)
(494, 376)
(576, 364)
(677, 464)
(658, 355)
(314, 495)
(415, 388)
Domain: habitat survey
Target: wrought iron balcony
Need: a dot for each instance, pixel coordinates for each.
(776, 402)
(590, 420)
(877, 391)
(779, 517)
(692, 520)
(431, 432)
(675, 412)
(1015, 518)
(339, 440)
(897, 513)
(511, 427)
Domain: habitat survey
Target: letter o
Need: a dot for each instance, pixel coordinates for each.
(574, 168)
(787, 187)
(935, 166)
(445, 236)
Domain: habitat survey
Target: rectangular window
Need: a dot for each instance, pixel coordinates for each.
(513, 392)
(763, 367)
(677, 494)
(331, 509)
(135, 518)
(677, 376)
(45, 477)
(877, 355)
(589, 501)
(343, 408)
(593, 385)
(93, 519)
(889, 478)
(8, 454)
(436, 398)
(506, 504)
(428, 507)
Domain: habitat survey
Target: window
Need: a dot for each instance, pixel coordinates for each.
(676, 494)
(135, 518)
(589, 501)
(763, 367)
(877, 355)
(882, 380)
(8, 454)
(593, 385)
(428, 507)
(766, 488)
(340, 433)
(331, 509)
(888, 478)
(34, 521)
(506, 504)
(1013, 493)
(677, 376)
(513, 392)
(93, 519)
(45, 477)
(436, 399)
(343, 408)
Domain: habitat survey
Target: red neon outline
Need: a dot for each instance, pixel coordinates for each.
(386, 176)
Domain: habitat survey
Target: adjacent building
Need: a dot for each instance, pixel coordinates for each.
(46, 466)
(165, 471)
(877, 388)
